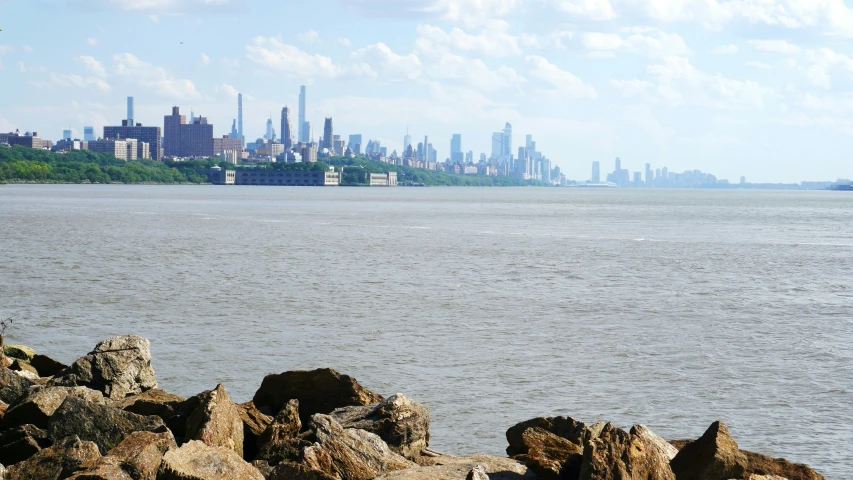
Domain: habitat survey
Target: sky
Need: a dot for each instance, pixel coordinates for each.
(759, 88)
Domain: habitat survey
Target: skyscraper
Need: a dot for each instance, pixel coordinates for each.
(172, 132)
(240, 117)
(269, 133)
(286, 129)
(426, 148)
(507, 140)
(130, 110)
(88, 134)
(355, 143)
(66, 134)
(407, 140)
(456, 155)
(328, 136)
(596, 172)
(303, 131)
(649, 174)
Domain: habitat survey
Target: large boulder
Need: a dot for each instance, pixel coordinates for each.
(62, 460)
(197, 461)
(400, 421)
(458, 468)
(255, 423)
(20, 352)
(348, 453)
(713, 456)
(278, 442)
(550, 456)
(21, 443)
(12, 386)
(104, 469)
(173, 409)
(216, 421)
(119, 367)
(761, 465)
(22, 366)
(39, 403)
(46, 366)
(105, 426)
(294, 471)
(318, 391)
(618, 455)
(564, 427)
(141, 453)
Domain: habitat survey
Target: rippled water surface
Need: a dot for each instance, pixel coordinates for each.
(491, 306)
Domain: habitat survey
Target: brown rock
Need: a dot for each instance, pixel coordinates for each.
(400, 421)
(478, 473)
(293, 471)
(619, 455)
(12, 386)
(22, 366)
(458, 468)
(197, 461)
(713, 456)
(564, 427)
(762, 465)
(62, 460)
(548, 455)
(285, 426)
(39, 403)
(46, 366)
(354, 454)
(173, 409)
(104, 469)
(21, 443)
(264, 467)
(3, 408)
(255, 423)
(216, 421)
(318, 391)
(141, 453)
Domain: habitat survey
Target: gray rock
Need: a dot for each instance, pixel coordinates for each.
(713, 456)
(477, 473)
(119, 367)
(21, 443)
(293, 471)
(173, 409)
(39, 403)
(12, 386)
(141, 453)
(458, 468)
(105, 426)
(401, 422)
(62, 460)
(197, 461)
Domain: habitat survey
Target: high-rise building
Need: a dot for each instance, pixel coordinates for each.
(596, 172)
(240, 117)
(150, 136)
(309, 134)
(66, 134)
(129, 110)
(426, 151)
(196, 139)
(355, 143)
(286, 129)
(172, 132)
(649, 178)
(88, 134)
(456, 154)
(269, 134)
(303, 131)
(328, 136)
(234, 133)
(507, 139)
(407, 140)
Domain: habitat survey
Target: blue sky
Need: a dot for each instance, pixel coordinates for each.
(759, 88)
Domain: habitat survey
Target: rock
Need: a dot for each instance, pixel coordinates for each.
(197, 461)
(549, 455)
(118, 367)
(293, 471)
(713, 456)
(279, 441)
(141, 453)
(21, 352)
(477, 473)
(39, 403)
(20, 443)
(62, 460)
(765, 477)
(12, 386)
(2, 472)
(619, 455)
(104, 469)
(3, 408)
(318, 391)
(255, 423)
(761, 465)
(563, 427)
(400, 421)
(30, 376)
(105, 426)
(216, 421)
(458, 468)
(173, 409)
(46, 366)
(22, 366)
(354, 454)
(263, 467)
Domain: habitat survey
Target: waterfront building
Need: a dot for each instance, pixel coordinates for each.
(381, 179)
(272, 177)
(149, 135)
(649, 178)
(308, 152)
(286, 129)
(304, 135)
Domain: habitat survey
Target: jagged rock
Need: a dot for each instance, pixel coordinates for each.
(563, 427)
(2, 472)
(104, 469)
(458, 468)
(20, 443)
(216, 421)
(400, 421)
(141, 453)
(318, 391)
(21, 352)
(549, 455)
(39, 403)
(619, 455)
(264, 467)
(275, 442)
(293, 471)
(197, 461)
(3, 408)
(255, 423)
(12, 386)
(771, 468)
(62, 460)
(765, 477)
(478, 473)
(713, 456)
(105, 426)
(46, 366)
(354, 454)
(30, 376)
(118, 367)
(22, 366)
(173, 409)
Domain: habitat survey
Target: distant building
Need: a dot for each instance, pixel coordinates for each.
(196, 139)
(328, 136)
(121, 149)
(304, 133)
(257, 176)
(596, 172)
(172, 133)
(88, 134)
(381, 179)
(456, 155)
(66, 135)
(29, 140)
(355, 142)
(129, 111)
(649, 175)
(308, 152)
(227, 143)
(149, 135)
(286, 129)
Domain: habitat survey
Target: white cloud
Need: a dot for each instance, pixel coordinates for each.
(555, 39)
(817, 66)
(93, 66)
(72, 80)
(310, 36)
(6, 49)
(228, 90)
(205, 60)
(647, 42)
(171, 6)
(24, 68)
(491, 42)
(591, 9)
(775, 46)
(379, 60)
(92, 42)
(156, 78)
(344, 42)
(758, 65)
(27, 48)
(273, 53)
(730, 49)
(632, 88)
(564, 85)
(472, 72)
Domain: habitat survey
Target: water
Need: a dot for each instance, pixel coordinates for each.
(492, 306)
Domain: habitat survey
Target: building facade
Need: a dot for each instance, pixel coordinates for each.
(381, 179)
(149, 135)
(286, 129)
(269, 177)
(328, 136)
(172, 133)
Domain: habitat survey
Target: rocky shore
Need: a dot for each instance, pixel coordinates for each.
(103, 417)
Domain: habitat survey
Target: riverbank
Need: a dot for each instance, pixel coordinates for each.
(103, 417)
